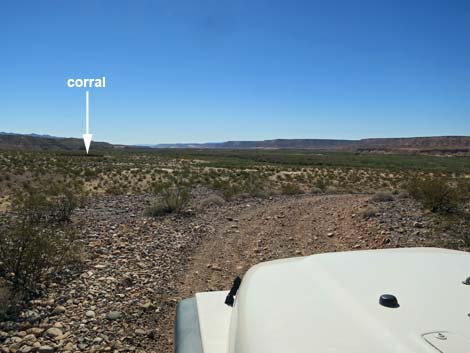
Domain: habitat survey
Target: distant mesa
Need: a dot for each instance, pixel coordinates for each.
(454, 145)
(266, 144)
(12, 141)
(433, 145)
(34, 135)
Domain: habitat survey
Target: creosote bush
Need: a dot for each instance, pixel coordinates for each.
(228, 189)
(158, 187)
(170, 200)
(449, 204)
(39, 241)
(32, 251)
(7, 300)
(49, 204)
(291, 189)
(322, 183)
(456, 226)
(435, 194)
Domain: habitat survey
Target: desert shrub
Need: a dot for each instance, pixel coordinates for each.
(159, 186)
(66, 198)
(212, 200)
(316, 190)
(6, 301)
(175, 198)
(291, 189)
(254, 187)
(30, 252)
(231, 192)
(321, 183)
(331, 190)
(463, 189)
(456, 227)
(382, 197)
(155, 209)
(114, 189)
(449, 204)
(435, 194)
(369, 212)
(228, 189)
(37, 243)
(403, 194)
(170, 200)
(48, 203)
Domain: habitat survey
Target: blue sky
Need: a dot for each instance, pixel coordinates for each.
(198, 71)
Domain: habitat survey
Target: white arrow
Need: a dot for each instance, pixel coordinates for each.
(87, 137)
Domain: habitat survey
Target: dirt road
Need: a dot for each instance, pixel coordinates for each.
(282, 228)
(275, 229)
(138, 268)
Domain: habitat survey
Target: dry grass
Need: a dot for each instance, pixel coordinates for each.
(369, 212)
(211, 200)
(170, 200)
(382, 197)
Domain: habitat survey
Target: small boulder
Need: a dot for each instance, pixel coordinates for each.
(140, 332)
(53, 332)
(46, 349)
(113, 315)
(146, 305)
(59, 309)
(29, 337)
(36, 331)
(25, 349)
(68, 347)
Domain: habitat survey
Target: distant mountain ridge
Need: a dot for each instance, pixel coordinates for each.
(444, 144)
(267, 144)
(405, 144)
(434, 144)
(32, 134)
(12, 141)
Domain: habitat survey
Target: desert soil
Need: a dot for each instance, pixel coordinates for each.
(138, 268)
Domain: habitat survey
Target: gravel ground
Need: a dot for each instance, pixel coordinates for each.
(138, 268)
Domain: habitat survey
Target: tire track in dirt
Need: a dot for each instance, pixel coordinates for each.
(280, 228)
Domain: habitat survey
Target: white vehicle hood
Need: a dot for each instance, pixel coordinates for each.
(330, 303)
(214, 321)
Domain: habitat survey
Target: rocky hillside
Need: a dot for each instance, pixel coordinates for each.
(417, 144)
(36, 142)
